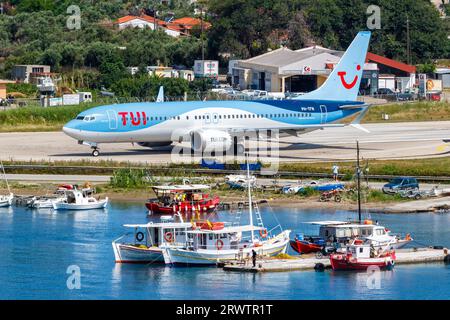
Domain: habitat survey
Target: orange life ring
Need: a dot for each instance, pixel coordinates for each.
(168, 236)
(263, 233)
(219, 244)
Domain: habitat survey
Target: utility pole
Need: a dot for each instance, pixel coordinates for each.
(201, 30)
(358, 176)
(408, 40)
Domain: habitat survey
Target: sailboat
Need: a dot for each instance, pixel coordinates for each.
(210, 243)
(6, 200)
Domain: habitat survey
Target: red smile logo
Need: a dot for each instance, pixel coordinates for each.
(347, 85)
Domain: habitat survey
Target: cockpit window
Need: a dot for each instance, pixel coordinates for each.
(89, 118)
(80, 118)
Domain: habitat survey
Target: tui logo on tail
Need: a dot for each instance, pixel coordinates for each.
(347, 85)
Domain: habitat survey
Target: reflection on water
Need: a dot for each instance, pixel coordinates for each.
(37, 246)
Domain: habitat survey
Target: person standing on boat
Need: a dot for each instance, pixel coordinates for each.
(335, 170)
(254, 257)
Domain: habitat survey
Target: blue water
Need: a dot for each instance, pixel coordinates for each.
(37, 247)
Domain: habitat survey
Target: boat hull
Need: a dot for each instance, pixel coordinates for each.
(183, 207)
(71, 206)
(304, 247)
(124, 253)
(342, 263)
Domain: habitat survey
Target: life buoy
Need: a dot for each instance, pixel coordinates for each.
(168, 236)
(263, 233)
(140, 236)
(219, 244)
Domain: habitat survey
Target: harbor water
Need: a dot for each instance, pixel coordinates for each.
(41, 251)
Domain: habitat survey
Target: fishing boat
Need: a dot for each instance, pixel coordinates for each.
(340, 233)
(76, 200)
(361, 257)
(6, 200)
(210, 244)
(145, 244)
(185, 198)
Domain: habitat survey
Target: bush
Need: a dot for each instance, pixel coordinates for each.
(129, 178)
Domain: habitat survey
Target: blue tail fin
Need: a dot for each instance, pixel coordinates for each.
(343, 82)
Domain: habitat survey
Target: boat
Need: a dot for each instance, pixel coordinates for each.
(44, 202)
(210, 244)
(76, 200)
(341, 233)
(185, 198)
(6, 200)
(144, 246)
(361, 257)
(304, 245)
(238, 181)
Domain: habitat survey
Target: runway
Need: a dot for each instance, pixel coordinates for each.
(385, 141)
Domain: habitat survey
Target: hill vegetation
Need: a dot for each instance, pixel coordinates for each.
(97, 54)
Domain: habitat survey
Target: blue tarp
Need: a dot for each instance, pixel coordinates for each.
(222, 166)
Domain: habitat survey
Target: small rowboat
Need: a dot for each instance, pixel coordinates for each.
(304, 245)
(359, 257)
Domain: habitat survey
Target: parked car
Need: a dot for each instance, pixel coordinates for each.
(401, 184)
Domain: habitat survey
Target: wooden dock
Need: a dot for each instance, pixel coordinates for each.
(310, 262)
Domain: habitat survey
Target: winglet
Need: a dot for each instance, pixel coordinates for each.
(160, 97)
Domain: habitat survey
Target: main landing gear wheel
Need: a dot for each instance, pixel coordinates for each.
(95, 153)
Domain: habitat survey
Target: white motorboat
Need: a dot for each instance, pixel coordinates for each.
(144, 246)
(6, 200)
(76, 200)
(45, 202)
(210, 243)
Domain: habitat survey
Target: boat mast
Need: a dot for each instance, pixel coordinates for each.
(4, 176)
(358, 175)
(250, 202)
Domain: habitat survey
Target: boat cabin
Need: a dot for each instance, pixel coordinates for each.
(340, 231)
(226, 238)
(359, 251)
(190, 193)
(155, 234)
(348, 231)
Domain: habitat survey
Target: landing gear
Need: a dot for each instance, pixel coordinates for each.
(95, 152)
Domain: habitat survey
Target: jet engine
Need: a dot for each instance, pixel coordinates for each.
(211, 141)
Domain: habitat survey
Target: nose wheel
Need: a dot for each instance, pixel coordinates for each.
(95, 153)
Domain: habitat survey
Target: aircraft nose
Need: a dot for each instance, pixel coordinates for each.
(71, 130)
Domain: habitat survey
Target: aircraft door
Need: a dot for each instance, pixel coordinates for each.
(323, 114)
(112, 117)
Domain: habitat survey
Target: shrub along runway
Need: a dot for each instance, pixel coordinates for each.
(385, 141)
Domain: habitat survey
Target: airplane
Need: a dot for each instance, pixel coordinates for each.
(215, 125)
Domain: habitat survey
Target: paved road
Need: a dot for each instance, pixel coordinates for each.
(385, 141)
(77, 179)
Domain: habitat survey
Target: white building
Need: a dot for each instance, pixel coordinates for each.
(145, 21)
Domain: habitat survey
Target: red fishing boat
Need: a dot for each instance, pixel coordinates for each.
(307, 245)
(189, 198)
(361, 257)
